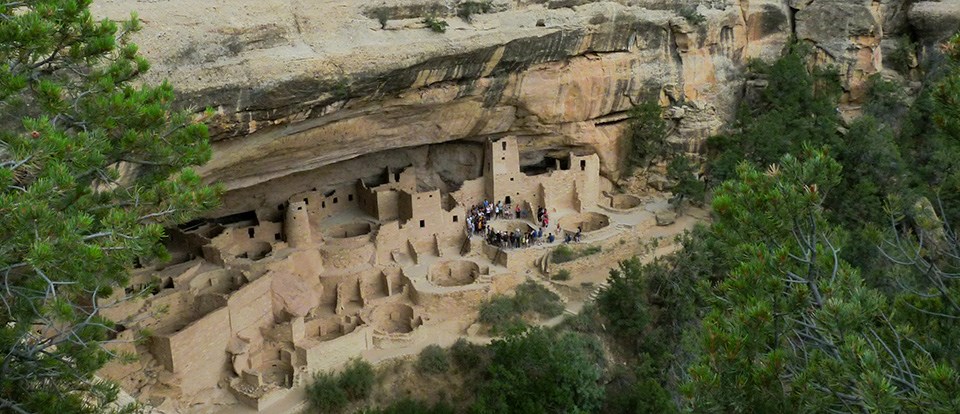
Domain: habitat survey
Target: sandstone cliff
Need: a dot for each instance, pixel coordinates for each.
(319, 92)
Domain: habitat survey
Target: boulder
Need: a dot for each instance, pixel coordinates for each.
(666, 217)
(934, 21)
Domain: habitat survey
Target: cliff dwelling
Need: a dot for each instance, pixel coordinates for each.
(256, 305)
(343, 182)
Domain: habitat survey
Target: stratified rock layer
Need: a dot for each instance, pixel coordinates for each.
(299, 85)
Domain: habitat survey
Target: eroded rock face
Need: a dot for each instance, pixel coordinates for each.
(847, 34)
(934, 21)
(301, 85)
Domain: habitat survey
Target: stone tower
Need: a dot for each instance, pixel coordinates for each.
(501, 168)
(297, 225)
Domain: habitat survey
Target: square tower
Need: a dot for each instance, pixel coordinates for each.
(501, 169)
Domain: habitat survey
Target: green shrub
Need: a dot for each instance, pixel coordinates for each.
(325, 393)
(636, 393)
(587, 321)
(589, 250)
(382, 14)
(563, 254)
(531, 296)
(467, 9)
(331, 393)
(691, 15)
(562, 275)
(411, 406)
(497, 310)
(503, 314)
(357, 379)
(433, 360)
(436, 25)
(541, 371)
(467, 356)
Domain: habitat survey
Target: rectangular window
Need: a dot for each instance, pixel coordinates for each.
(335, 200)
(276, 236)
(455, 218)
(504, 145)
(583, 165)
(350, 197)
(423, 223)
(251, 232)
(323, 204)
(306, 201)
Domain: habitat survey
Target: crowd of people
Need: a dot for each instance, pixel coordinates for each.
(480, 215)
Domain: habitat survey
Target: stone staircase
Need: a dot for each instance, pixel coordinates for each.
(597, 289)
(543, 263)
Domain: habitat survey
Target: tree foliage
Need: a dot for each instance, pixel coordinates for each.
(357, 379)
(794, 327)
(329, 392)
(93, 164)
(411, 406)
(433, 360)
(325, 394)
(506, 314)
(647, 135)
(684, 172)
(797, 107)
(541, 371)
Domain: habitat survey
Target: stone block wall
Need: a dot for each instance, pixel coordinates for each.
(250, 308)
(197, 353)
(320, 356)
(325, 203)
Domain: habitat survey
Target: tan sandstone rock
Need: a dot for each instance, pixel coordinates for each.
(302, 85)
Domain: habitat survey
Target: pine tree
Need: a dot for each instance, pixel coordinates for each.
(647, 136)
(93, 164)
(797, 107)
(793, 328)
(542, 371)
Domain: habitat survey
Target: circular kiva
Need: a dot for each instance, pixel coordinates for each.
(586, 221)
(453, 273)
(393, 318)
